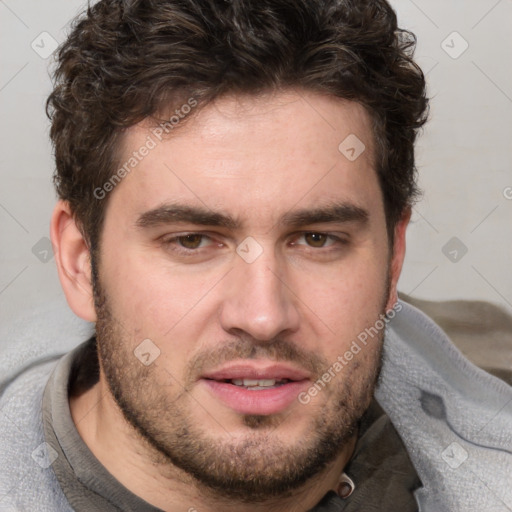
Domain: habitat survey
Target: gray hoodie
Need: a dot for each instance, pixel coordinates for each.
(454, 419)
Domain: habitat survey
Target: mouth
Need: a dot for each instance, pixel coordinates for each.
(258, 384)
(260, 389)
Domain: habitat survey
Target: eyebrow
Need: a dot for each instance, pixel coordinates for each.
(175, 213)
(333, 213)
(172, 213)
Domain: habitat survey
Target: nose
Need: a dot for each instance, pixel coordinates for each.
(259, 300)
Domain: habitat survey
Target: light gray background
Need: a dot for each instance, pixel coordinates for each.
(464, 155)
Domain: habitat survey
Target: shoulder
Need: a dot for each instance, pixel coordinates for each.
(27, 481)
(453, 417)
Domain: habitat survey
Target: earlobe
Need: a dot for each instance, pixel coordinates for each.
(398, 256)
(72, 256)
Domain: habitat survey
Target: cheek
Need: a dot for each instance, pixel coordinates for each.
(158, 302)
(339, 307)
(355, 291)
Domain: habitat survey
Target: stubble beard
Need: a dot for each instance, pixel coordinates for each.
(254, 467)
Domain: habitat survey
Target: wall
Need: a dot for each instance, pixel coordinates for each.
(459, 243)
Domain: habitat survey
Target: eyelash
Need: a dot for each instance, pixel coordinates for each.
(180, 250)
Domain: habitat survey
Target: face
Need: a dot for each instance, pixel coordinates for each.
(239, 260)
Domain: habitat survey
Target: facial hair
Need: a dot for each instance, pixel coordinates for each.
(259, 465)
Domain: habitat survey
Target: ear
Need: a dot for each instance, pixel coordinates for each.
(73, 262)
(397, 258)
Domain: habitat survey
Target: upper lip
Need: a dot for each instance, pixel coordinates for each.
(263, 370)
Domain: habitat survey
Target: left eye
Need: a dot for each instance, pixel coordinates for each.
(318, 240)
(192, 241)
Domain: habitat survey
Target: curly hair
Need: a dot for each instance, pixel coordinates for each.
(127, 60)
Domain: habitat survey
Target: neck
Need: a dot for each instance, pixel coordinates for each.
(145, 472)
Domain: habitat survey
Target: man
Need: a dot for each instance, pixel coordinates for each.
(235, 182)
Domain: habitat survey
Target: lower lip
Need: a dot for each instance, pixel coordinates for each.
(262, 402)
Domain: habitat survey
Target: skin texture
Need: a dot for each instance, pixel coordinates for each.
(159, 429)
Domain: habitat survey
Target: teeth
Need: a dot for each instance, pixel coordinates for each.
(261, 383)
(266, 382)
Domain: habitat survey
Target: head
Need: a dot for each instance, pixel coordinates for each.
(235, 181)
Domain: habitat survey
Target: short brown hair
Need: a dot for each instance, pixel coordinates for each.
(125, 60)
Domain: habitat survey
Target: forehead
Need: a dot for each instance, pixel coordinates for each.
(253, 156)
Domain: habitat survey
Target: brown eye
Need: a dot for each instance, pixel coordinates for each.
(315, 239)
(190, 241)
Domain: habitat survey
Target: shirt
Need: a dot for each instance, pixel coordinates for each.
(380, 467)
